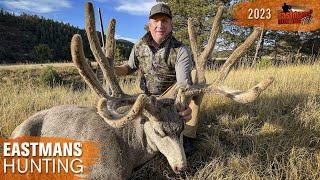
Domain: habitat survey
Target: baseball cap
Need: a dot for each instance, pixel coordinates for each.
(160, 9)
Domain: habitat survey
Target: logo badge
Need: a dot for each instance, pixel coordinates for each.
(294, 15)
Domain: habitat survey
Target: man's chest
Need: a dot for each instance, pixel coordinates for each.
(154, 60)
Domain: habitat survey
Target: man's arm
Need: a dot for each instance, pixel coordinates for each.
(122, 70)
(183, 67)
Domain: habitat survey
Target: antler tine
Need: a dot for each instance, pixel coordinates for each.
(110, 42)
(200, 59)
(83, 67)
(193, 40)
(236, 54)
(213, 35)
(103, 61)
(194, 47)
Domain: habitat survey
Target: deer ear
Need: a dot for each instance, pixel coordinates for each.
(116, 120)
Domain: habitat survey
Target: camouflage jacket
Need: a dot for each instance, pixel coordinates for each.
(162, 67)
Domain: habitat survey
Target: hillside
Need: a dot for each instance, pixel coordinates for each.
(34, 39)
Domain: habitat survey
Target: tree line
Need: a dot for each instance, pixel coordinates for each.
(30, 38)
(34, 39)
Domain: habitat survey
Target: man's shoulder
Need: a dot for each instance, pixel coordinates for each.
(180, 47)
(139, 43)
(140, 46)
(144, 40)
(175, 43)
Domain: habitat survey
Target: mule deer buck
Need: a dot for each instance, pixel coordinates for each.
(133, 129)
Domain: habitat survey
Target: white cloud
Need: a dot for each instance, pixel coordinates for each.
(126, 38)
(135, 7)
(37, 6)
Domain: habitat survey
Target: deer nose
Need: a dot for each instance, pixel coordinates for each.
(177, 169)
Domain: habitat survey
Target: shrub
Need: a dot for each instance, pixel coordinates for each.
(264, 62)
(43, 53)
(50, 77)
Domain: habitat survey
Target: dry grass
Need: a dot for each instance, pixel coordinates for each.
(33, 66)
(37, 66)
(276, 137)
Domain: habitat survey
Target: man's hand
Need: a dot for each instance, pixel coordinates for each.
(121, 70)
(186, 114)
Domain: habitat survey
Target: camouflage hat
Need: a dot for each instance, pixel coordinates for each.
(160, 9)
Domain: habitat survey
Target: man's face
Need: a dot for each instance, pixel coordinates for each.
(160, 26)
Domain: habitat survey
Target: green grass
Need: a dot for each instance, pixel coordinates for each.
(275, 137)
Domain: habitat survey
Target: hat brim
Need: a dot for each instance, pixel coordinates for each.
(156, 13)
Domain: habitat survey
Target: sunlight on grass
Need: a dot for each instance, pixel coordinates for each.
(276, 137)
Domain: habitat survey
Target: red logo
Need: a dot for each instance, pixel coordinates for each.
(294, 15)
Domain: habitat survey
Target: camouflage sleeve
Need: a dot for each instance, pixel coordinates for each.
(132, 62)
(183, 67)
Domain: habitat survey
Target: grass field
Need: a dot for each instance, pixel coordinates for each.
(276, 137)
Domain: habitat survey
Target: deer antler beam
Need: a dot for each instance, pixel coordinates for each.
(242, 97)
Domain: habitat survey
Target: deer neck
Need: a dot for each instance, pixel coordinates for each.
(136, 143)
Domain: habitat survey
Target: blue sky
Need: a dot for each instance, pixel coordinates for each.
(131, 15)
